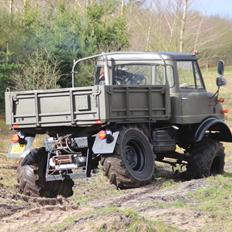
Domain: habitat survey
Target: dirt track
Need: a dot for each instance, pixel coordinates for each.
(34, 214)
(98, 206)
(101, 211)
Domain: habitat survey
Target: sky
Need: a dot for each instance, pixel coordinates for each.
(214, 7)
(222, 8)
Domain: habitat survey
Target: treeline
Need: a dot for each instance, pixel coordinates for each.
(40, 38)
(173, 25)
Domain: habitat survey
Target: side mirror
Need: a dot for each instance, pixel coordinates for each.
(220, 67)
(220, 81)
(220, 70)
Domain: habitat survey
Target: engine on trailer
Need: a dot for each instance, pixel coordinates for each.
(64, 154)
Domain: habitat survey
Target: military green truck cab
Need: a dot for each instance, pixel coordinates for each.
(141, 106)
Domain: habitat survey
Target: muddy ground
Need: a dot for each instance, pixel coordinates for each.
(164, 205)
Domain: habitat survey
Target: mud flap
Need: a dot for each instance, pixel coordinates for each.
(101, 146)
(20, 150)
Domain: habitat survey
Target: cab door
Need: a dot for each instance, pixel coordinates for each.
(195, 103)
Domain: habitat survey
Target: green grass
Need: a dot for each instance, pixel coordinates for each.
(209, 76)
(210, 199)
(178, 203)
(7, 172)
(96, 188)
(132, 221)
(216, 201)
(3, 127)
(4, 135)
(62, 226)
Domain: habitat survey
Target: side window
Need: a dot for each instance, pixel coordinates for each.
(99, 75)
(159, 75)
(170, 75)
(186, 74)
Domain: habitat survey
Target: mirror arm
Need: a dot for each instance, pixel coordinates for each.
(216, 93)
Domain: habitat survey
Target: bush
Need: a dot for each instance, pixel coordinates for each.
(37, 73)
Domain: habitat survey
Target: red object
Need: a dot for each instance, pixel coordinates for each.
(15, 126)
(221, 100)
(102, 134)
(15, 138)
(225, 111)
(98, 121)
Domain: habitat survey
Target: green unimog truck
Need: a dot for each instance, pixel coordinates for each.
(140, 108)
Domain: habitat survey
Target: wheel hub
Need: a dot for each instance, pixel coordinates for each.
(134, 156)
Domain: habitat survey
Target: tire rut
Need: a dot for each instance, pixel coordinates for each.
(31, 211)
(6, 194)
(152, 193)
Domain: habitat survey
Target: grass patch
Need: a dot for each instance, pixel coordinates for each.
(209, 76)
(167, 184)
(216, 201)
(212, 198)
(7, 172)
(62, 226)
(4, 135)
(96, 188)
(108, 210)
(3, 127)
(177, 204)
(132, 221)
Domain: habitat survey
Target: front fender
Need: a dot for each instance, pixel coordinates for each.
(219, 130)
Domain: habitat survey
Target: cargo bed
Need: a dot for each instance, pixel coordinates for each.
(87, 106)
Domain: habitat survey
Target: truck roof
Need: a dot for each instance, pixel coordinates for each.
(148, 56)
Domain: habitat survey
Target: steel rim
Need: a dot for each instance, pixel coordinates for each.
(134, 155)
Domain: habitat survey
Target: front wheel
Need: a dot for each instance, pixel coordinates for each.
(207, 158)
(132, 163)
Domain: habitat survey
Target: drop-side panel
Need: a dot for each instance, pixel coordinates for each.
(58, 107)
(138, 103)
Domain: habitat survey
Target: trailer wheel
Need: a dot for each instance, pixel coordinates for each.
(207, 158)
(31, 177)
(132, 164)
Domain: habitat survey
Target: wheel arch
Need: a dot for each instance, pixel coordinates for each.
(221, 130)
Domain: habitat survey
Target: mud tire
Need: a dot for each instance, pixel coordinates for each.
(117, 167)
(31, 177)
(207, 158)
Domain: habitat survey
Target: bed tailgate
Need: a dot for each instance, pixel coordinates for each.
(58, 107)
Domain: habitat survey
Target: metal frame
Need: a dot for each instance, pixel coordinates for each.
(105, 61)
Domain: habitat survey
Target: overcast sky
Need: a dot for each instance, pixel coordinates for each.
(214, 7)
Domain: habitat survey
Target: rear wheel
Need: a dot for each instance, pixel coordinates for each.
(132, 164)
(207, 158)
(31, 177)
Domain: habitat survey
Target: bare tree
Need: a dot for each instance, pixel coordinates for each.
(183, 24)
(11, 4)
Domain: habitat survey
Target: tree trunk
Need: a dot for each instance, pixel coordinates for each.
(122, 7)
(183, 23)
(11, 7)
